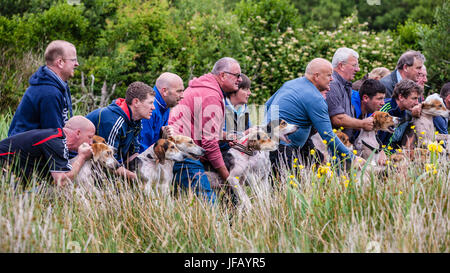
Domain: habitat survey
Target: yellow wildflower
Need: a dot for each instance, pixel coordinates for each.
(355, 152)
(324, 141)
(413, 126)
(312, 152)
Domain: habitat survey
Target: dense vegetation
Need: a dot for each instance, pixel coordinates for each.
(122, 41)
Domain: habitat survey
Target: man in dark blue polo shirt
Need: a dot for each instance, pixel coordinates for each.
(45, 151)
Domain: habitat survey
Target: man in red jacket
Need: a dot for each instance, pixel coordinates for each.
(200, 115)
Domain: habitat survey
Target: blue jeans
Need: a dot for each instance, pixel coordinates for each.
(191, 174)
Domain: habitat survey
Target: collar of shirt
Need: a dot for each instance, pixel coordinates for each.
(346, 84)
(51, 72)
(159, 99)
(399, 77)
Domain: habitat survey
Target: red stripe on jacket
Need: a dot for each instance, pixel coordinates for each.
(59, 134)
(8, 153)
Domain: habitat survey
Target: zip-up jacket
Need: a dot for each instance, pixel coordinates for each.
(115, 124)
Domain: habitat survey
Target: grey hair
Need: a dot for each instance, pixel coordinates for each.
(408, 58)
(223, 65)
(342, 55)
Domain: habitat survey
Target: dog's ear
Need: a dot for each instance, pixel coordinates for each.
(96, 150)
(98, 139)
(377, 120)
(160, 150)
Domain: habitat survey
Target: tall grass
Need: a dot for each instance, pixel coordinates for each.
(305, 212)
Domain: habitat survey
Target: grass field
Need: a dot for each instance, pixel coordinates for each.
(306, 212)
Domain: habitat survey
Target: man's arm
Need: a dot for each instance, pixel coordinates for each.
(61, 178)
(344, 120)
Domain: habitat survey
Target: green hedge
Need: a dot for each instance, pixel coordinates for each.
(121, 41)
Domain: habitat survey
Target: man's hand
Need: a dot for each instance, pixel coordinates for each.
(416, 110)
(167, 131)
(126, 173)
(367, 124)
(223, 173)
(85, 151)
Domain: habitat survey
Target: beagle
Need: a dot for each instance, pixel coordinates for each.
(367, 141)
(432, 106)
(155, 164)
(322, 147)
(102, 158)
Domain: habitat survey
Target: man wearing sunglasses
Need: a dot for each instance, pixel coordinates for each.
(47, 102)
(200, 115)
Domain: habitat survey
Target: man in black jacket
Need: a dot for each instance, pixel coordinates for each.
(409, 66)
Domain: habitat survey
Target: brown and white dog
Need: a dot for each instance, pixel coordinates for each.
(154, 166)
(367, 142)
(322, 147)
(102, 159)
(251, 156)
(432, 106)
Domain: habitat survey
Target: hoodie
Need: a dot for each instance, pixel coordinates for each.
(115, 124)
(200, 115)
(46, 103)
(151, 128)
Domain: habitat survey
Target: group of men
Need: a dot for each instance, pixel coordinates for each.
(43, 131)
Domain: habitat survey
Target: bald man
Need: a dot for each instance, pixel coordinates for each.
(45, 151)
(301, 102)
(47, 102)
(169, 91)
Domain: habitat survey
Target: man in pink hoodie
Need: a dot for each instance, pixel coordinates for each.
(200, 115)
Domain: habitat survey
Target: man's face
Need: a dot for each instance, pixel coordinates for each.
(69, 62)
(349, 68)
(174, 93)
(447, 102)
(422, 78)
(323, 79)
(412, 72)
(409, 102)
(230, 79)
(143, 108)
(373, 104)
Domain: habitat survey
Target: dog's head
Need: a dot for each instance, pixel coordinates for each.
(382, 121)
(343, 137)
(186, 145)
(434, 106)
(258, 140)
(280, 129)
(103, 154)
(166, 149)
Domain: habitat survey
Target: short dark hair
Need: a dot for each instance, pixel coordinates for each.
(138, 90)
(245, 83)
(445, 90)
(371, 87)
(408, 58)
(405, 88)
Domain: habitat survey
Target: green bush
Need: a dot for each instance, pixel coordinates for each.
(435, 43)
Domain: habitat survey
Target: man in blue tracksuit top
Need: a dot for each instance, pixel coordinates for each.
(168, 92)
(300, 102)
(47, 102)
(120, 123)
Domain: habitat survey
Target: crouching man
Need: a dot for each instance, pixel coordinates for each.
(120, 123)
(46, 151)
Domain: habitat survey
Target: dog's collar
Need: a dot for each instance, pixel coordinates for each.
(243, 149)
(377, 150)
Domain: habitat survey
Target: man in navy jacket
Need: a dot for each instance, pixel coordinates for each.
(168, 92)
(47, 102)
(120, 123)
